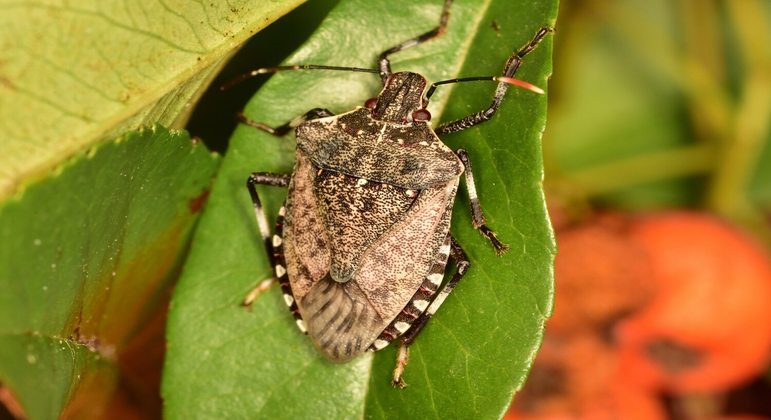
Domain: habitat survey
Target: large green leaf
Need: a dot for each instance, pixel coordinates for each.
(75, 73)
(224, 360)
(86, 261)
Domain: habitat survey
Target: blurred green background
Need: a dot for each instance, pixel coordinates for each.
(658, 104)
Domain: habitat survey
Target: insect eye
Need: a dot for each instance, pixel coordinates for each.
(421, 115)
(371, 103)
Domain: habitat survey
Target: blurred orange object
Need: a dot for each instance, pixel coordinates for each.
(577, 377)
(601, 275)
(709, 326)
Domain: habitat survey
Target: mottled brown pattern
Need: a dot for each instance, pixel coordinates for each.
(382, 152)
(425, 293)
(306, 249)
(395, 266)
(344, 319)
(355, 215)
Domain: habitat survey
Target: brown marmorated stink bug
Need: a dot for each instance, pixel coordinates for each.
(362, 240)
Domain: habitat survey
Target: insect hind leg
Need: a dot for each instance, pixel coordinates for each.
(284, 129)
(462, 264)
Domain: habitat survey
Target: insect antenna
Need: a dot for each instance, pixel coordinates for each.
(267, 70)
(501, 79)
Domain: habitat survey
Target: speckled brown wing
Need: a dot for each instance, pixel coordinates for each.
(344, 318)
(335, 229)
(394, 267)
(329, 221)
(356, 212)
(305, 241)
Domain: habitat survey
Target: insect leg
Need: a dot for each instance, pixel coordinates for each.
(477, 217)
(462, 264)
(284, 129)
(263, 178)
(511, 67)
(385, 65)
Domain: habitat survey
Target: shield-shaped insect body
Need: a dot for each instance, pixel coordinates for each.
(366, 219)
(362, 241)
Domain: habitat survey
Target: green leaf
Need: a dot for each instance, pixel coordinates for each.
(87, 258)
(75, 73)
(227, 361)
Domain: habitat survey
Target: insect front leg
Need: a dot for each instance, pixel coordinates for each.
(477, 216)
(284, 129)
(511, 67)
(385, 65)
(275, 180)
(462, 264)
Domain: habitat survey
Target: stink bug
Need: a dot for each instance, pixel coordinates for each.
(362, 240)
